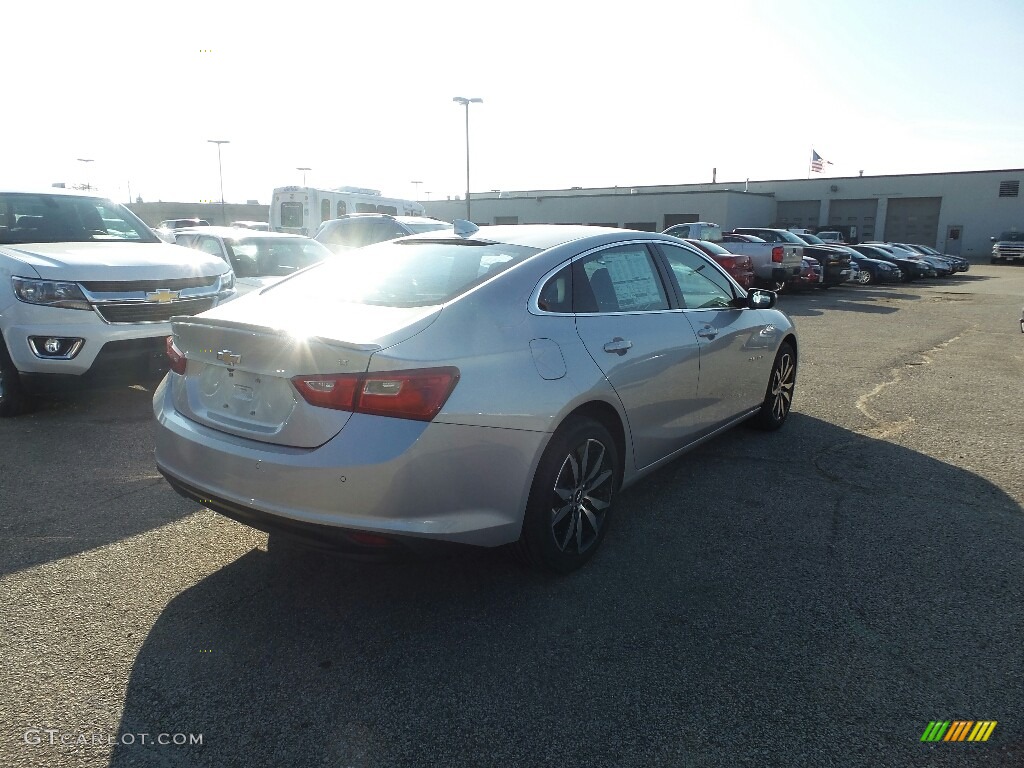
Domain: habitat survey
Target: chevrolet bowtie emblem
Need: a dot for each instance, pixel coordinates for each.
(162, 296)
(229, 357)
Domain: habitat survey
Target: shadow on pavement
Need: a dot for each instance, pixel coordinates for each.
(813, 597)
(871, 300)
(92, 478)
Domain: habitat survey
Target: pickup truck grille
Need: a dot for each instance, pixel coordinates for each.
(145, 286)
(1009, 251)
(144, 312)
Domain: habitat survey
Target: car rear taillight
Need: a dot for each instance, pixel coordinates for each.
(178, 360)
(777, 252)
(417, 394)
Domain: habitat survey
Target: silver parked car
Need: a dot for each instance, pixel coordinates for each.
(484, 387)
(258, 258)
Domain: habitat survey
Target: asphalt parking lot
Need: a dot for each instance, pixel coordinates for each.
(813, 597)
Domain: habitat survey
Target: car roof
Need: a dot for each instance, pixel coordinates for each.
(543, 236)
(238, 232)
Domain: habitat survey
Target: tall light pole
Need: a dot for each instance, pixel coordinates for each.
(416, 186)
(220, 170)
(86, 160)
(466, 102)
(303, 169)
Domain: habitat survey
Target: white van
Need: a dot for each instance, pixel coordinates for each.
(301, 210)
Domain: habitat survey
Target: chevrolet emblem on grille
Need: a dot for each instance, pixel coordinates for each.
(162, 296)
(229, 357)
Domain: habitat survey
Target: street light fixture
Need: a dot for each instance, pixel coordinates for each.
(466, 102)
(220, 170)
(303, 169)
(86, 160)
(416, 184)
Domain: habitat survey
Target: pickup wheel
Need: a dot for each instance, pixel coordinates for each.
(13, 399)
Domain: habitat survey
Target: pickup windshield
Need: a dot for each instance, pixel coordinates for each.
(1013, 237)
(44, 218)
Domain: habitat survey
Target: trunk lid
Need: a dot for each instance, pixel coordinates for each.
(243, 355)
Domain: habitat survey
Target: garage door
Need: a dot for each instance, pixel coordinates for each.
(857, 213)
(913, 220)
(798, 213)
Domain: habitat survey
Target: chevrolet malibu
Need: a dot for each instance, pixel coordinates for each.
(485, 387)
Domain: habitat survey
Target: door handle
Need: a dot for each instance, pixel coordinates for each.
(707, 332)
(618, 346)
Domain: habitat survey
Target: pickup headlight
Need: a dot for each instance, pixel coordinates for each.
(227, 280)
(50, 293)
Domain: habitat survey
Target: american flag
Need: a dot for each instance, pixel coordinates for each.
(817, 162)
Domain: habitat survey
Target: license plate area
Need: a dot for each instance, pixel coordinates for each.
(231, 395)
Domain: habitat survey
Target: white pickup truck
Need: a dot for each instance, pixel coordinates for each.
(1008, 247)
(86, 293)
(775, 263)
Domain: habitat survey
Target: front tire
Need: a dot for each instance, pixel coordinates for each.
(778, 398)
(568, 511)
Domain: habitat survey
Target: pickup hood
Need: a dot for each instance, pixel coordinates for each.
(84, 262)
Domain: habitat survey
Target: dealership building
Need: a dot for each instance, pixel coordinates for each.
(954, 212)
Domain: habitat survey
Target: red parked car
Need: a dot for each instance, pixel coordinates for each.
(741, 268)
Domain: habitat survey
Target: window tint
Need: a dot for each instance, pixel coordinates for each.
(700, 284)
(274, 256)
(386, 229)
(556, 295)
(619, 279)
(32, 218)
(209, 245)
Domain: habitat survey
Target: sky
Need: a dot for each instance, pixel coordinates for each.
(574, 94)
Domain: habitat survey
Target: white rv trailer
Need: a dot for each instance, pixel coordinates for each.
(301, 210)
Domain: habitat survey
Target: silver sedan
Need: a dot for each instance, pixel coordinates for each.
(485, 387)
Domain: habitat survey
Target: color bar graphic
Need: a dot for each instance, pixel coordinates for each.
(958, 730)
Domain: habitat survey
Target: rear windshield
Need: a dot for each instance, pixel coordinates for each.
(274, 256)
(427, 226)
(811, 239)
(42, 218)
(407, 273)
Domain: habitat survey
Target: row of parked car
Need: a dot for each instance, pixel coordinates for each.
(786, 260)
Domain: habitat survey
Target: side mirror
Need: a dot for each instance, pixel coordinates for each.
(992, 239)
(760, 299)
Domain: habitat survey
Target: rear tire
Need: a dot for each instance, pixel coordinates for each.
(864, 277)
(569, 508)
(13, 398)
(778, 398)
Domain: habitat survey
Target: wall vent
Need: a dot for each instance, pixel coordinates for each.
(1009, 188)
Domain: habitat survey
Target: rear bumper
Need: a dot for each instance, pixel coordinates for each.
(391, 477)
(341, 541)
